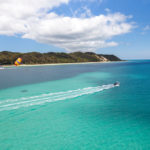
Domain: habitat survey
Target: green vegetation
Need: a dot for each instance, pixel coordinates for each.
(8, 58)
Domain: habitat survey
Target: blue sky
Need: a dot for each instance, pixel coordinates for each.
(121, 28)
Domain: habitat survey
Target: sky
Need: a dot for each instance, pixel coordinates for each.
(119, 27)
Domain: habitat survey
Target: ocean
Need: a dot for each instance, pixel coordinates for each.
(76, 107)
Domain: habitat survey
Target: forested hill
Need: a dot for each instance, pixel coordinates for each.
(8, 58)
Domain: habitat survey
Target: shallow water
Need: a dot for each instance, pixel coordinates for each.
(76, 107)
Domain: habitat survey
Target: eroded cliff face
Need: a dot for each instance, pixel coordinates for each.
(110, 57)
(101, 58)
(7, 58)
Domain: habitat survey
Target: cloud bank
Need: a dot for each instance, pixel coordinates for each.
(35, 20)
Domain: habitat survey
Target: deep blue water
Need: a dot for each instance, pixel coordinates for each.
(76, 107)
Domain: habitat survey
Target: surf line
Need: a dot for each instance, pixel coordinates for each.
(11, 104)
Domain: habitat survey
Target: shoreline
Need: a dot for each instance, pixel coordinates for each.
(58, 64)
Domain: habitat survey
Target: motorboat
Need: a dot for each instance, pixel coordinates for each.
(116, 83)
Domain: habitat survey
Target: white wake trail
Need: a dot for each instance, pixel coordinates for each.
(51, 97)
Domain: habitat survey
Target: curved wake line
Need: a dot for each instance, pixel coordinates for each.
(51, 97)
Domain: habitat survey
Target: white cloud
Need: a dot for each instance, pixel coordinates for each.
(87, 33)
(16, 15)
(146, 28)
(99, 1)
(107, 10)
(82, 12)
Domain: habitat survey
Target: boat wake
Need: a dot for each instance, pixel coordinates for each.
(51, 97)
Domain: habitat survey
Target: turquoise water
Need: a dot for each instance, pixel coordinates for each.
(74, 107)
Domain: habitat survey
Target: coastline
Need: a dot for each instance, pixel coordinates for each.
(58, 64)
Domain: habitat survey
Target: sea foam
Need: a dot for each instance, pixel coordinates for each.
(10, 104)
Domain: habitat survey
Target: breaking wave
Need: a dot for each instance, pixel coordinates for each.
(51, 97)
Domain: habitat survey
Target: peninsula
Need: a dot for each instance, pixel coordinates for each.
(8, 58)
